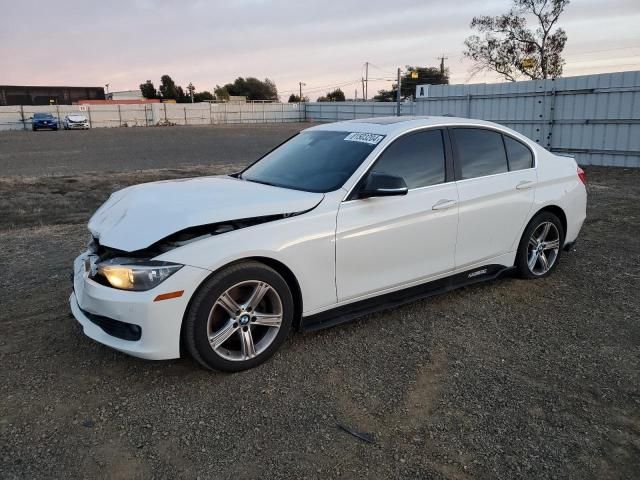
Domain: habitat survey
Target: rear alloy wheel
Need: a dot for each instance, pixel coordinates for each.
(540, 246)
(239, 317)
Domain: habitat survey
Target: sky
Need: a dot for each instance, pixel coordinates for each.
(324, 44)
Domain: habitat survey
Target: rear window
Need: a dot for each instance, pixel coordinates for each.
(519, 155)
(479, 152)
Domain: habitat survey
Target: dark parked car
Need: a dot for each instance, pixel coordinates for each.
(44, 120)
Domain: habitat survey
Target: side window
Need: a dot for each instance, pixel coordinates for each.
(520, 156)
(417, 157)
(479, 152)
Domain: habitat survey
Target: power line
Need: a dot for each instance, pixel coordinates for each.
(603, 50)
(323, 87)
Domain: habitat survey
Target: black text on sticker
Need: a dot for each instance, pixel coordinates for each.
(364, 138)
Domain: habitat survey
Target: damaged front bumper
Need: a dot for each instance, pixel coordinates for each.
(133, 322)
(77, 126)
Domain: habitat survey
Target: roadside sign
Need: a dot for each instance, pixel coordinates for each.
(528, 63)
(422, 91)
(414, 74)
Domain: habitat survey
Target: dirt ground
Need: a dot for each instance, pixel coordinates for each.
(509, 379)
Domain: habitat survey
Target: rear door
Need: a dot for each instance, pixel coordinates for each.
(495, 191)
(386, 242)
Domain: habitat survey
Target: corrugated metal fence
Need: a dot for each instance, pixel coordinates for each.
(336, 111)
(596, 118)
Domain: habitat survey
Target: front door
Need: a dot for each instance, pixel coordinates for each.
(388, 242)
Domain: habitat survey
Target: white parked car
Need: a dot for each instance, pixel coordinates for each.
(75, 121)
(340, 220)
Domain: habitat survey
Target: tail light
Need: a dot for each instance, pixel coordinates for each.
(582, 176)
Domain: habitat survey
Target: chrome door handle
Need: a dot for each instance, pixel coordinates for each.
(525, 184)
(444, 204)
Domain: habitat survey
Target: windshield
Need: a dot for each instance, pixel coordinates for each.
(42, 115)
(315, 161)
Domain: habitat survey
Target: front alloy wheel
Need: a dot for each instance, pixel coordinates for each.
(239, 317)
(245, 320)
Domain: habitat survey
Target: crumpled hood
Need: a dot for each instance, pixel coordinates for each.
(136, 217)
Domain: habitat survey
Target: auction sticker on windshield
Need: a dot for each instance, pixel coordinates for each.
(369, 138)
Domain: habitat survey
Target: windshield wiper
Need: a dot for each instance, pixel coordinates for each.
(259, 181)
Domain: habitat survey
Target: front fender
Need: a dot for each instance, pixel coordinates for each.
(305, 244)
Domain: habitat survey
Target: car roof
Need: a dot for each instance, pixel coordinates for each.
(393, 125)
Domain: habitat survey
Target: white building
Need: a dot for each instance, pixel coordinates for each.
(126, 95)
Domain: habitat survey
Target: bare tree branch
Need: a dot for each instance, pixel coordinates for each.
(512, 49)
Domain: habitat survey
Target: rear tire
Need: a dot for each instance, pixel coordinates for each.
(239, 317)
(540, 246)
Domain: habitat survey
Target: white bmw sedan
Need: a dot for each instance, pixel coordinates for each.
(340, 220)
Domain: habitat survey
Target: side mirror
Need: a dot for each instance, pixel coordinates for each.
(382, 185)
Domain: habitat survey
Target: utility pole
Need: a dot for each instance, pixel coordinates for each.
(107, 87)
(442, 59)
(191, 89)
(363, 99)
(366, 82)
(301, 85)
(398, 96)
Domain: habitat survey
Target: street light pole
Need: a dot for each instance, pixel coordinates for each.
(301, 85)
(398, 96)
(107, 87)
(366, 82)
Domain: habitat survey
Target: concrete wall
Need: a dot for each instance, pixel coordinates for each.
(19, 117)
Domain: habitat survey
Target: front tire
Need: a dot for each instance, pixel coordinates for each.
(540, 246)
(239, 317)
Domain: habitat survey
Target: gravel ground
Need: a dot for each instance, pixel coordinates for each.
(124, 149)
(509, 379)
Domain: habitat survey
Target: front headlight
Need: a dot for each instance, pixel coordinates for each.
(127, 274)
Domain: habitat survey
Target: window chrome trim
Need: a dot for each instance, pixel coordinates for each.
(495, 130)
(443, 126)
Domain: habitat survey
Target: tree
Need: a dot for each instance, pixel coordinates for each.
(251, 87)
(425, 75)
(293, 98)
(181, 97)
(336, 96)
(168, 88)
(512, 49)
(148, 90)
(202, 96)
(221, 93)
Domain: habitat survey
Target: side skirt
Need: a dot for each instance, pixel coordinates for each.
(346, 313)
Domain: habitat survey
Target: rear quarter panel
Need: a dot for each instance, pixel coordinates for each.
(559, 185)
